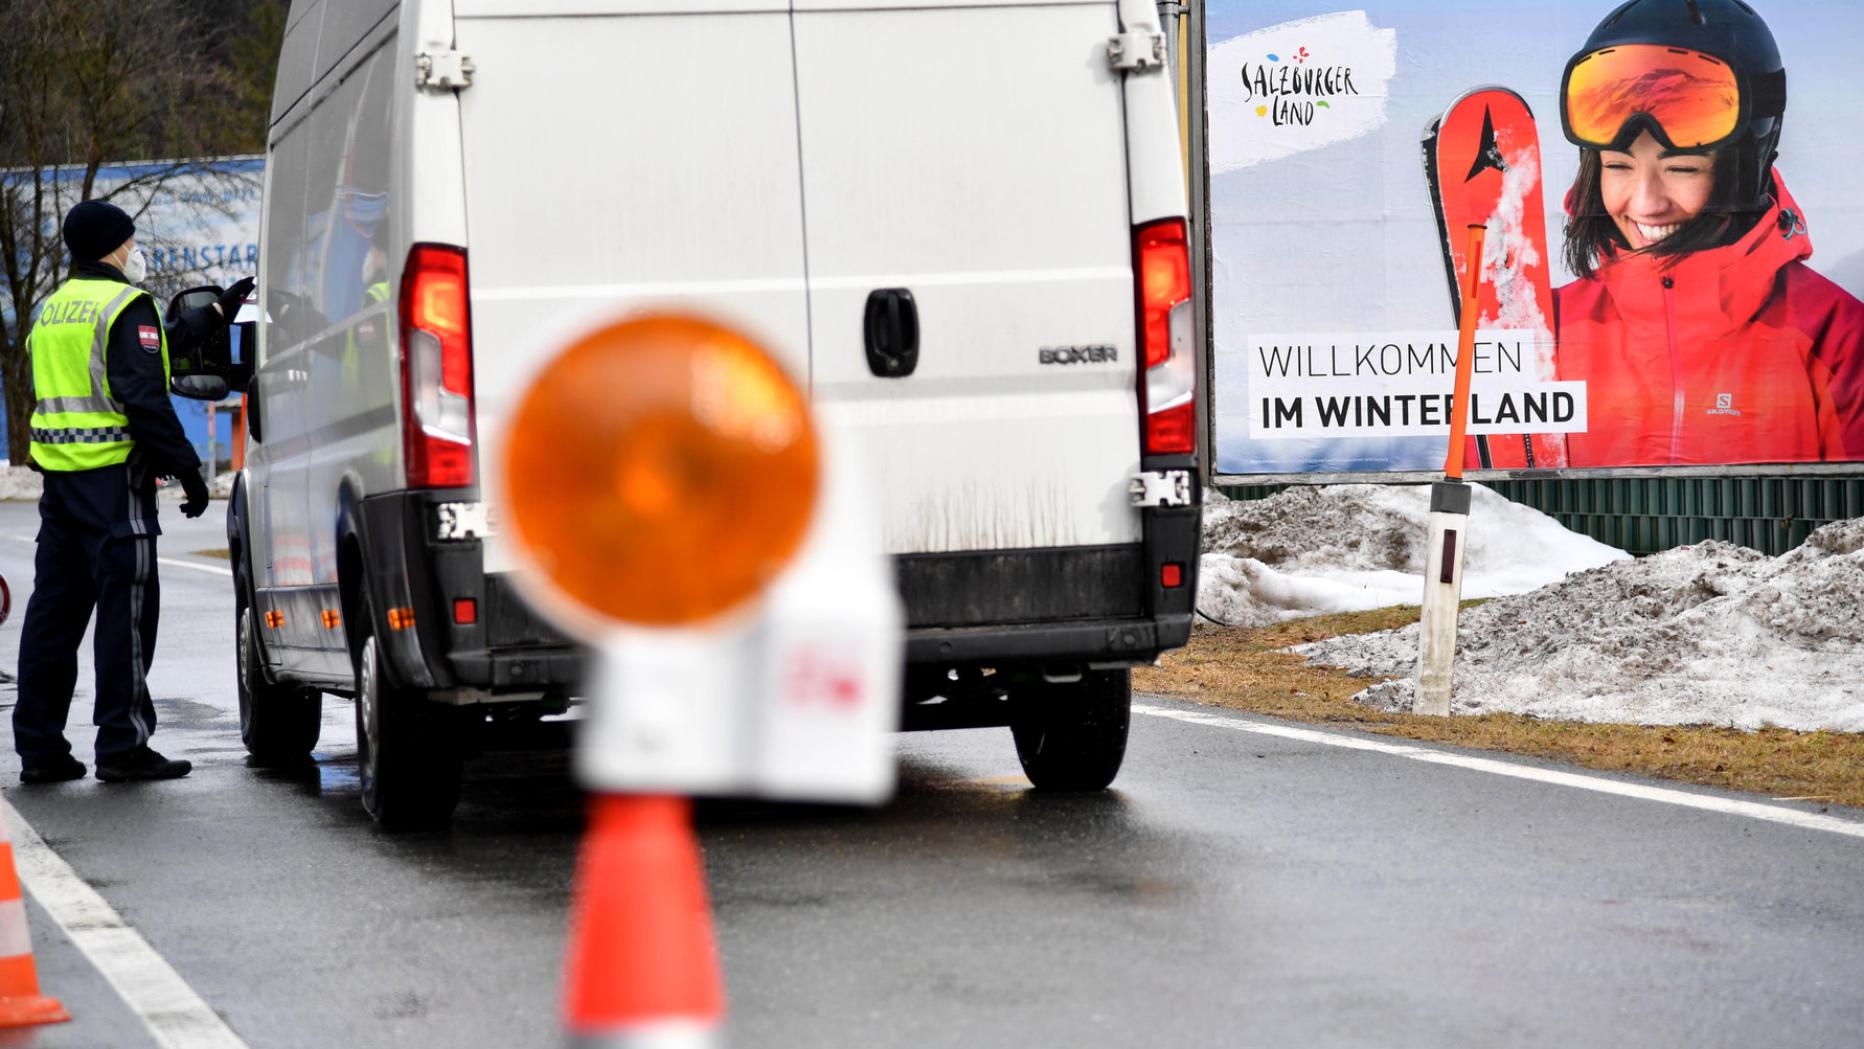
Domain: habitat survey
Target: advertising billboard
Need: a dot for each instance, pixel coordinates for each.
(1650, 179)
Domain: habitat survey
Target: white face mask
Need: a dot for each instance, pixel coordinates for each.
(135, 267)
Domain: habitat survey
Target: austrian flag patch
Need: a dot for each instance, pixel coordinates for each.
(150, 335)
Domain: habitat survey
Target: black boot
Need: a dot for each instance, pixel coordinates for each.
(52, 770)
(140, 764)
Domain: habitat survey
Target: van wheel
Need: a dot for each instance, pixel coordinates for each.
(1072, 736)
(408, 750)
(278, 723)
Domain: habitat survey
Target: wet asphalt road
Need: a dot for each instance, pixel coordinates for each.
(1233, 890)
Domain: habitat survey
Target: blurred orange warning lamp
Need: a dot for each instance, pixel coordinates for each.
(661, 471)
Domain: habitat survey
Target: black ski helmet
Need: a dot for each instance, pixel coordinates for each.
(1732, 31)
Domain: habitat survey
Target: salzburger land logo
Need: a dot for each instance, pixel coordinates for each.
(1293, 92)
(1297, 86)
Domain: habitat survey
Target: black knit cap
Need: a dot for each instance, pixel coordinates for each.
(94, 229)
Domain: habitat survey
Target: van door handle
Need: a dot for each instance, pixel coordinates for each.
(892, 329)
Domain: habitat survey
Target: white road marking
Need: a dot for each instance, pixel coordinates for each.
(211, 569)
(1600, 784)
(176, 1016)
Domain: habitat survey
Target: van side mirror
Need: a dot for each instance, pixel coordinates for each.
(200, 386)
(253, 401)
(193, 299)
(211, 359)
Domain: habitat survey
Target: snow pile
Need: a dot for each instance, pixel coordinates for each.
(19, 482)
(1347, 548)
(1705, 634)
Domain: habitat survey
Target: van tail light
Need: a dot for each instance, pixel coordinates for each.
(1168, 384)
(436, 368)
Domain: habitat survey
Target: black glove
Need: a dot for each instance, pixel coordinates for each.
(231, 298)
(196, 503)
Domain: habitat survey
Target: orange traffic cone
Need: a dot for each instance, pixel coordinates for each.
(21, 1004)
(643, 970)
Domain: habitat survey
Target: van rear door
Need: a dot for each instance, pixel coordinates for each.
(974, 156)
(621, 155)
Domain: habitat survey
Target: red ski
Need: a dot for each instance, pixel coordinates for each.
(1482, 160)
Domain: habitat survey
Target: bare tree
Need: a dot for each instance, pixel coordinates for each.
(85, 84)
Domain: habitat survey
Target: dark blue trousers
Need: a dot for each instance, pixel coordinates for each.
(96, 551)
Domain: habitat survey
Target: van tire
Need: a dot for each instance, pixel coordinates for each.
(409, 752)
(1071, 736)
(279, 723)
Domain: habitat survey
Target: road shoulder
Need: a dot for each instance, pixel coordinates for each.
(1252, 670)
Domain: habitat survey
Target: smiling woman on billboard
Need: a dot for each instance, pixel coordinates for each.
(1700, 330)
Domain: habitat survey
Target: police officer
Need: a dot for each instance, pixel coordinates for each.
(103, 430)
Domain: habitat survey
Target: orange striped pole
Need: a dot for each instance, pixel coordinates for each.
(1449, 517)
(1465, 356)
(238, 438)
(21, 1004)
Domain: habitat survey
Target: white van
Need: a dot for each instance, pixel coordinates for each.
(962, 224)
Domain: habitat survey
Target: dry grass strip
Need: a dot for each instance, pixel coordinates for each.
(1252, 670)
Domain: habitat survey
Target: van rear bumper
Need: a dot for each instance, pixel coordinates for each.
(1103, 641)
(1086, 605)
(1090, 606)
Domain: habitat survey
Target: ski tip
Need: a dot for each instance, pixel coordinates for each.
(1482, 89)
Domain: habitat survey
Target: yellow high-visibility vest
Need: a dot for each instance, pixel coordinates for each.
(76, 424)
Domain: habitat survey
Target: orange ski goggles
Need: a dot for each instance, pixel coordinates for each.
(1687, 99)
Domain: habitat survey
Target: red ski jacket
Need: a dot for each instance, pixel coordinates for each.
(1737, 354)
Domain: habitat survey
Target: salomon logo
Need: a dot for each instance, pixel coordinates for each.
(1724, 405)
(1078, 355)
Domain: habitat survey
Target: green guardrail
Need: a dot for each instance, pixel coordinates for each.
(1646, 514)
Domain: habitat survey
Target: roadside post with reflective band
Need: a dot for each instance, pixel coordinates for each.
(1449, 517)
(671, 499)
